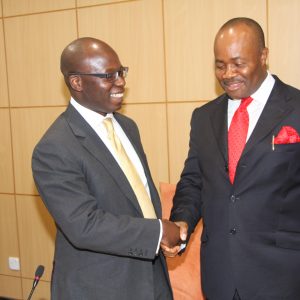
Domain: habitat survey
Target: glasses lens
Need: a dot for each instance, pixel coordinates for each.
(111, 77)
(121, 73)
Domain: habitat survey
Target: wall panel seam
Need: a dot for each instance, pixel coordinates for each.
(11, 144)
(106, 4)
(166, 86)
(38, 13)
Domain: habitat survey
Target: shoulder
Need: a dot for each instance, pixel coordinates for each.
(55, 129)
(58, 136)
(211, 106)
(285, 88)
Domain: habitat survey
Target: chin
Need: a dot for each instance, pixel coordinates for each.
(118, 108)
(115, 108)
(237, 95)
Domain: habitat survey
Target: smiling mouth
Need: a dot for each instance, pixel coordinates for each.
(232, 86)
(117, 95)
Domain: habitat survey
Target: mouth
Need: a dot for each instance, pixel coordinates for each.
(232, 85)
(117, 95)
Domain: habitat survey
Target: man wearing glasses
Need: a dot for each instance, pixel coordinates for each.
(92, 174)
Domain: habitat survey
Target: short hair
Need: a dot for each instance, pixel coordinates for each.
(250, 23)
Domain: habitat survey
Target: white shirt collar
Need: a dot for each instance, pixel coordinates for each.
(92, 117)
(265, 89)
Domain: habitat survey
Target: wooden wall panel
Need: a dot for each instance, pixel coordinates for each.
(284, 41)
(151, 120)
(42, 291)
(95, 2)
(179, 117)
(28, 126)
(34, 44)
(3, 79)
(37, 236)
(17, 7)
(9, 246)
(134, 29)
(6, 170)
(168, 46)
(11, 287)
(190, 28)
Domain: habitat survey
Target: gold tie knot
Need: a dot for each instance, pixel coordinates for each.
(109, 126)
(111, 133)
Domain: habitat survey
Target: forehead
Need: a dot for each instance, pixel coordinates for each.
(102, 62)
(236, 40)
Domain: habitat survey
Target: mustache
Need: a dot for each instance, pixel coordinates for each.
(231, 81)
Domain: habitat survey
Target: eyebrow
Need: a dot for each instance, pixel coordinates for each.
(233, 58)
(237, 57)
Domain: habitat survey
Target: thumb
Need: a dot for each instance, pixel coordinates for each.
(183, 230)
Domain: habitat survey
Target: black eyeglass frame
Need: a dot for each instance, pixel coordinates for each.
(122, 72)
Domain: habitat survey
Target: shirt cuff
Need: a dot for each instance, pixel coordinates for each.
(160, 236)
(182, 246)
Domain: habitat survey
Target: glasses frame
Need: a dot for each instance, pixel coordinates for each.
(122, 72)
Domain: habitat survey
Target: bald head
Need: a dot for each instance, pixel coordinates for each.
(251, 25)
(77, 56)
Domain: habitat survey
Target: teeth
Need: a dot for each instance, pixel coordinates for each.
(117, 95)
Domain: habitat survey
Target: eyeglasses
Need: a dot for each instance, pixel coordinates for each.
(110, 77)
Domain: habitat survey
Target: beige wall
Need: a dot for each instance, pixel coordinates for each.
(168, 46)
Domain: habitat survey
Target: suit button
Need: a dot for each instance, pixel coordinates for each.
(232, 231)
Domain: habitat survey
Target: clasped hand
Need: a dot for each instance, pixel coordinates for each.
(174, 234)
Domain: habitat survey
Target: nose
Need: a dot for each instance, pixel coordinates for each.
(120, 81)
(229, 72)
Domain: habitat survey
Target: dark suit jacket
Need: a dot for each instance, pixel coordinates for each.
(251, 236)
(104, 247)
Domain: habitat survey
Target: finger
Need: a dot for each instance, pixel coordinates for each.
(183, 233)
(170, 254)
(183, 230)
(170, 251)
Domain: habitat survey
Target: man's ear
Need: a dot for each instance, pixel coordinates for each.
(264, 56)
(75, 83)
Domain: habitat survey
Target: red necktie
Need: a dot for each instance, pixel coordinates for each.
(237, 135)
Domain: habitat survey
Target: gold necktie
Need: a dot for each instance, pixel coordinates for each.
(130, 172)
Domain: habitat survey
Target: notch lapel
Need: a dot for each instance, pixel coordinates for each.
(275, 110)
(218, 118)
(94, 145)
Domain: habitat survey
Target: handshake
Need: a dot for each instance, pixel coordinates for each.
(174, 234)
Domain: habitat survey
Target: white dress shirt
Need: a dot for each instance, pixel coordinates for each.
(256, 107)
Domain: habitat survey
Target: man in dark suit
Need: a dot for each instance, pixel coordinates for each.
(244, 183)
(106, 210)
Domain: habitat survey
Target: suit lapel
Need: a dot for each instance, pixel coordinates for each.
(94, 145)
(276, 108)
(218, 118)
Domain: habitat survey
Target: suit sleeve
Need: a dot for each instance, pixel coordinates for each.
(62, 184)
(187, 200)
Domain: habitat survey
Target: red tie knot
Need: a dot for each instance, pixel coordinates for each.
(245, 102)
